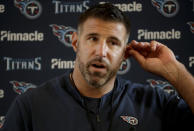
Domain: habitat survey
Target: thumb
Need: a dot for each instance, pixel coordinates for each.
(140, 58)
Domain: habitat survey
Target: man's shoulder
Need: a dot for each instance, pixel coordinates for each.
(130, 85)
(140, 90)
(48, 88)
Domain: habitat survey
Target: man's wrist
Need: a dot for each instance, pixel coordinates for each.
(173, 71)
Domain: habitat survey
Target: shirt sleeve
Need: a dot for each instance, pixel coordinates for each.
(177, 114)
(17, 117)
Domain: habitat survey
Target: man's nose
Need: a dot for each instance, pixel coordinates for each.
(102, 49)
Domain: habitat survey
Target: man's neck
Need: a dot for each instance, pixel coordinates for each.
(87, 90)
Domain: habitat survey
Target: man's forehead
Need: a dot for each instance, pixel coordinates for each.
(95, 25)
(96, 22)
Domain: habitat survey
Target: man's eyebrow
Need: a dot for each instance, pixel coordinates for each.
(115, 38)
(92, 34)
(111, 37)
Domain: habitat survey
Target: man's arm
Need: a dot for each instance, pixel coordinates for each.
(157, 58)
(15, 119)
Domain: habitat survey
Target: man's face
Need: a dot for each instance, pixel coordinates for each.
(100, 51)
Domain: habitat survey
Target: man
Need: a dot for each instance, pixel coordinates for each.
(92, 98)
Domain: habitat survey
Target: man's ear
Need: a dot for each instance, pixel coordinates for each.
(75, 41)
(126, 52)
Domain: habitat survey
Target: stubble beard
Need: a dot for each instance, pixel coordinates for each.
(102, 78)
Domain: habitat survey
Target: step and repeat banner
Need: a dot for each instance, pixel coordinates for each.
(35, 40)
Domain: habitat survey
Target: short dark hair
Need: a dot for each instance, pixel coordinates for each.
(106, 12)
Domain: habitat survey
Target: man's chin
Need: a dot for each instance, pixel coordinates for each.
(97, 81)
(96, 84)
(98, 72)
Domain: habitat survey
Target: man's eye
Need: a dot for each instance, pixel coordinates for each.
(114, 43)
(93, 39)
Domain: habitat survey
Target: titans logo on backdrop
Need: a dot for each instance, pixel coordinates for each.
(167, 8)
(191, 24)
(63, 33)
(124, 67)
(164, 85)
(29, 8)
(21, 87)
(62, 6)
(2, 120)
(12, 64)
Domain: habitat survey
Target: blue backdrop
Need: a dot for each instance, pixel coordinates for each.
(35, 40)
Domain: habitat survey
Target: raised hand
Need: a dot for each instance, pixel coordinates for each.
(154, 57)
(159, 59)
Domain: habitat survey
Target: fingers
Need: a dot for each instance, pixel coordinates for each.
(145, 46)
(140, 45)
(140, 58)
(145, 49)
(155, 45)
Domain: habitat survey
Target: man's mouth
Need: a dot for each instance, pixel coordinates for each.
(99, 66)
